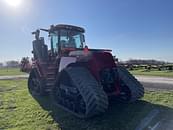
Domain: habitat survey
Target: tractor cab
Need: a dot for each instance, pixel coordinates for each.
(63, 40)
(66, 38)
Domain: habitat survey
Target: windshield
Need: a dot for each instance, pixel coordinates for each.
(66, 39)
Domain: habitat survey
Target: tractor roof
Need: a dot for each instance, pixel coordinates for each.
(65, 26)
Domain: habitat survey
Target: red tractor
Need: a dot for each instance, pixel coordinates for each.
(80, 80)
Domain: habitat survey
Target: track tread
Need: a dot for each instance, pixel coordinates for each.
(137, 90)
(95, 98)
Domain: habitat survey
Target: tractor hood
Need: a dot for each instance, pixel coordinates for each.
(98, 50)
(87, 52)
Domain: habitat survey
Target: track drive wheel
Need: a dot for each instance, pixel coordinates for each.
(35, 84)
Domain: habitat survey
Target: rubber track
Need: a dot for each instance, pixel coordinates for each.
(94, 97)
(136, 88)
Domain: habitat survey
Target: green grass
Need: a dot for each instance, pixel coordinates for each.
(153, 73)
(10, 71)
(20, 111)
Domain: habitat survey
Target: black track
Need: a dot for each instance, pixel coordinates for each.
(79, 93)
(35, 84)
(132, 87)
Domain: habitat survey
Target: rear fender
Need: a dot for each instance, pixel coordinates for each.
(101, 61)
(65, 61)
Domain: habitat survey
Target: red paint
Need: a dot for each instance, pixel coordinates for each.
(100, 61)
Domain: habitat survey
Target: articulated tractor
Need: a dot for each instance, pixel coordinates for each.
(80, 80)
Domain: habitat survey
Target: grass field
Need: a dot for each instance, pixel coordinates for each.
(10, 71)
(153, 73)
(20, 111)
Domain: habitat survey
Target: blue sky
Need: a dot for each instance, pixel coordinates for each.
(131, 28)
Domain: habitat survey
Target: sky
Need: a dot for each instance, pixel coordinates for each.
(133, 29)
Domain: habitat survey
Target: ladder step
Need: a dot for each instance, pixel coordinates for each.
(51, 78)
(50, 84)
(52, 63)
(50, 73)
(51, 70)
(48, 89)
(52, 67)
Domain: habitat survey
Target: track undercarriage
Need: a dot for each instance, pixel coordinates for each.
(78, 92)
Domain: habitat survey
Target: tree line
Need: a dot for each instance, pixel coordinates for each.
(10, 64)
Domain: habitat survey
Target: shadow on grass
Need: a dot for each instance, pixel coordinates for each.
(119, 116)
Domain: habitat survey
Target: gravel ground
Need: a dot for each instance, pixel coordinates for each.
(156, 83)
(13, 77)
